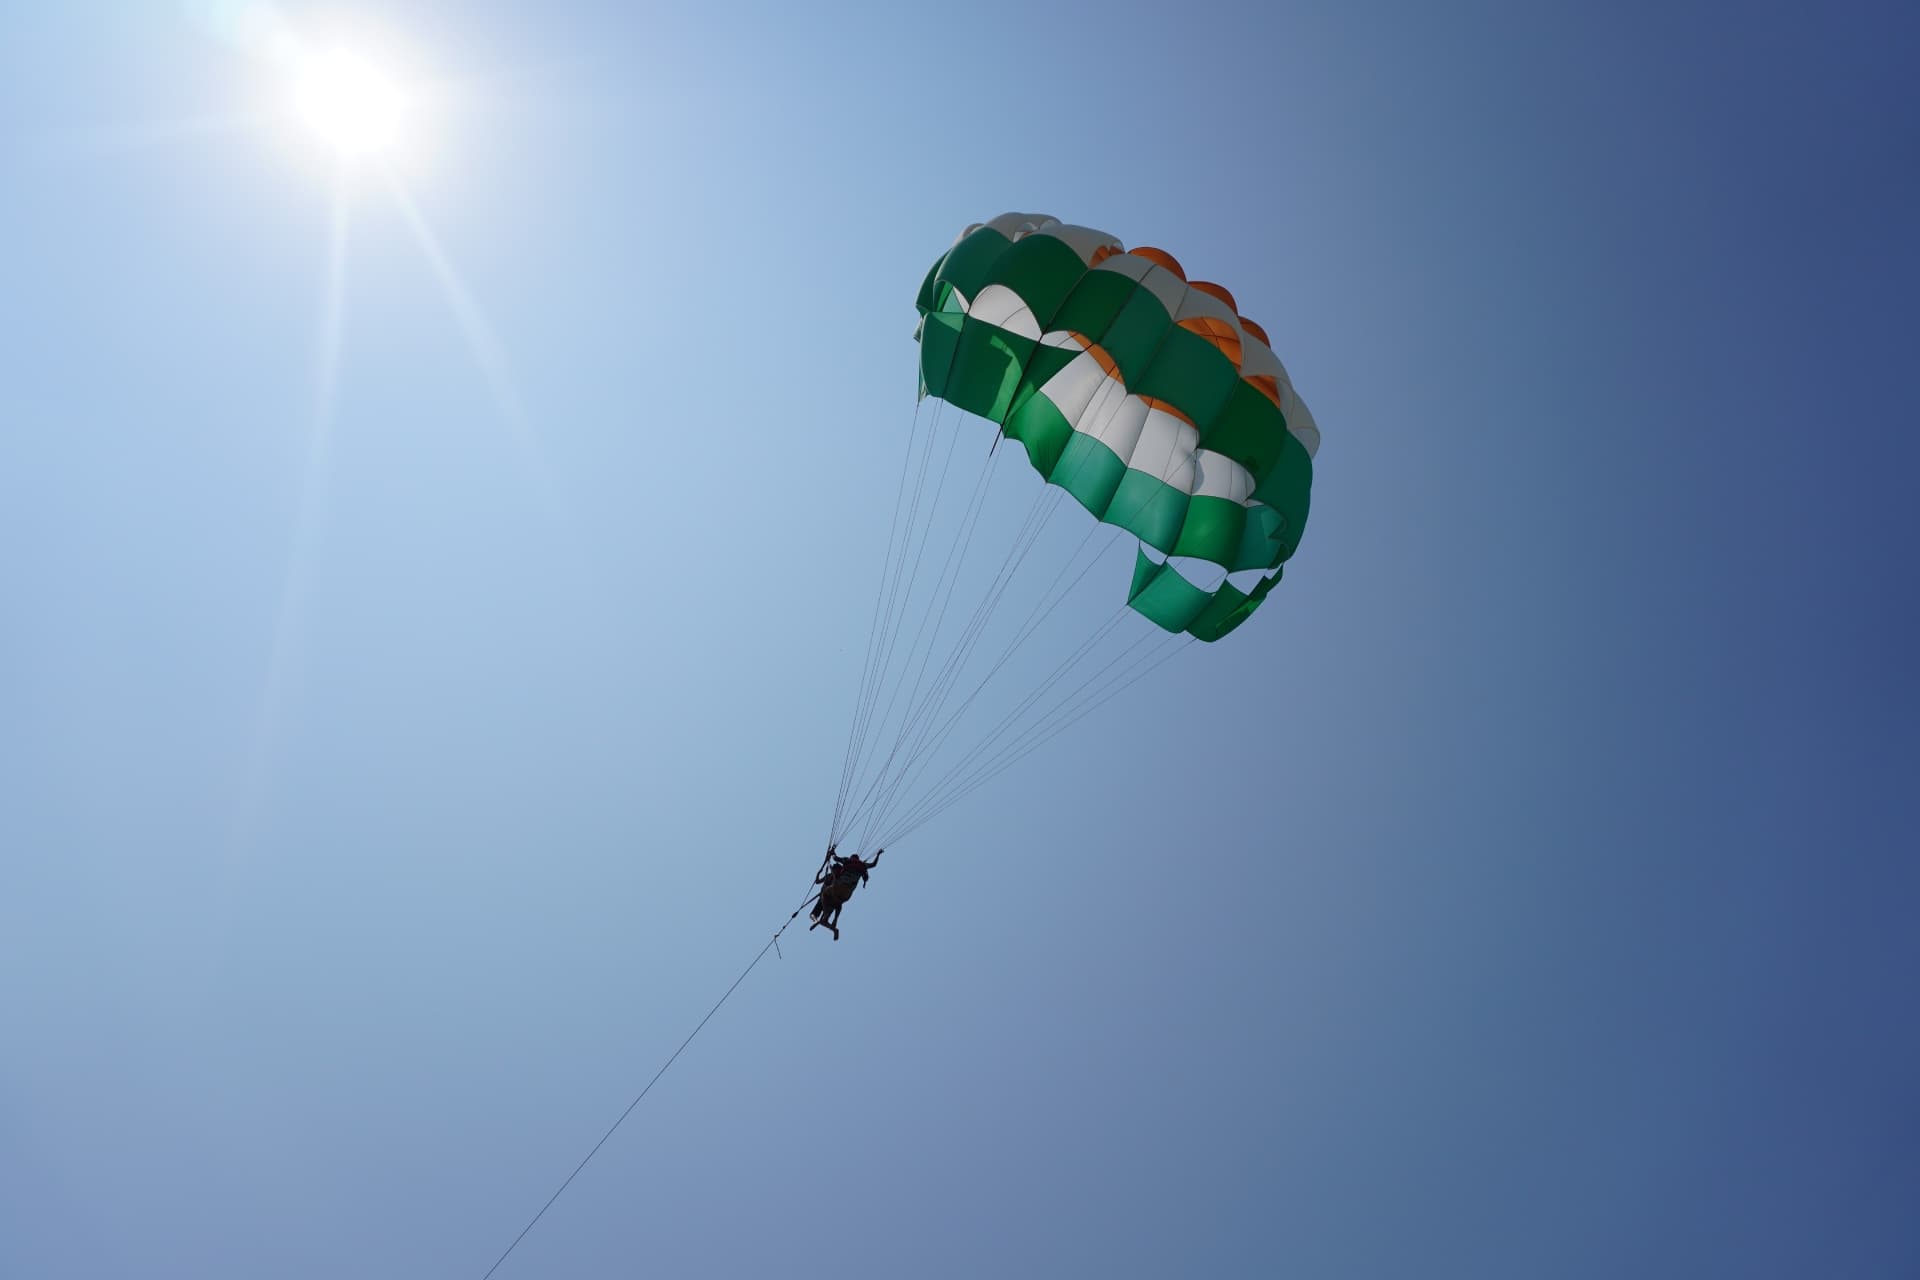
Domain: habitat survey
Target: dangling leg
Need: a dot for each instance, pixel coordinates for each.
(826, 909)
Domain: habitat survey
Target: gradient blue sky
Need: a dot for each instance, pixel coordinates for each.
(389, 782)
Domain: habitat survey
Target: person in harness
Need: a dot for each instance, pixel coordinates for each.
(839, 876)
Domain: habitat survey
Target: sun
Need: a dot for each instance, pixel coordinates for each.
(350, 103)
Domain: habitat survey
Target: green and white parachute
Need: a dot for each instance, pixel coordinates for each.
(1153, 403)
(1147, 397)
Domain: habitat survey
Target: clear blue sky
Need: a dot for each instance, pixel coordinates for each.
(389, 782)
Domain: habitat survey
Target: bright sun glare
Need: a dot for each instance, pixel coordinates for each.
(350, 103)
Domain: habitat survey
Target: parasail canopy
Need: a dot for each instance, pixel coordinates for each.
(1144, 395)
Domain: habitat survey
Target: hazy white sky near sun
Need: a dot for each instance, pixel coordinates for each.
(350, 102)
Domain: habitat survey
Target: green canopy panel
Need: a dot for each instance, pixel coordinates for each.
(1173, 602)
(1147, 397)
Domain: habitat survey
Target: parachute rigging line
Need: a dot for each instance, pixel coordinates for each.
(1038, 328)
(970, 635)
(910, 766)
(900, 603)
(867, 700)
(864, 705)
(924, 746)
(986, 744)
(873, 677)
(873, 625)
(956, 552)
(1173, 646)
(967, 758)
(956, 560)
(928, 745)
(925, 728)
(1023, 542)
